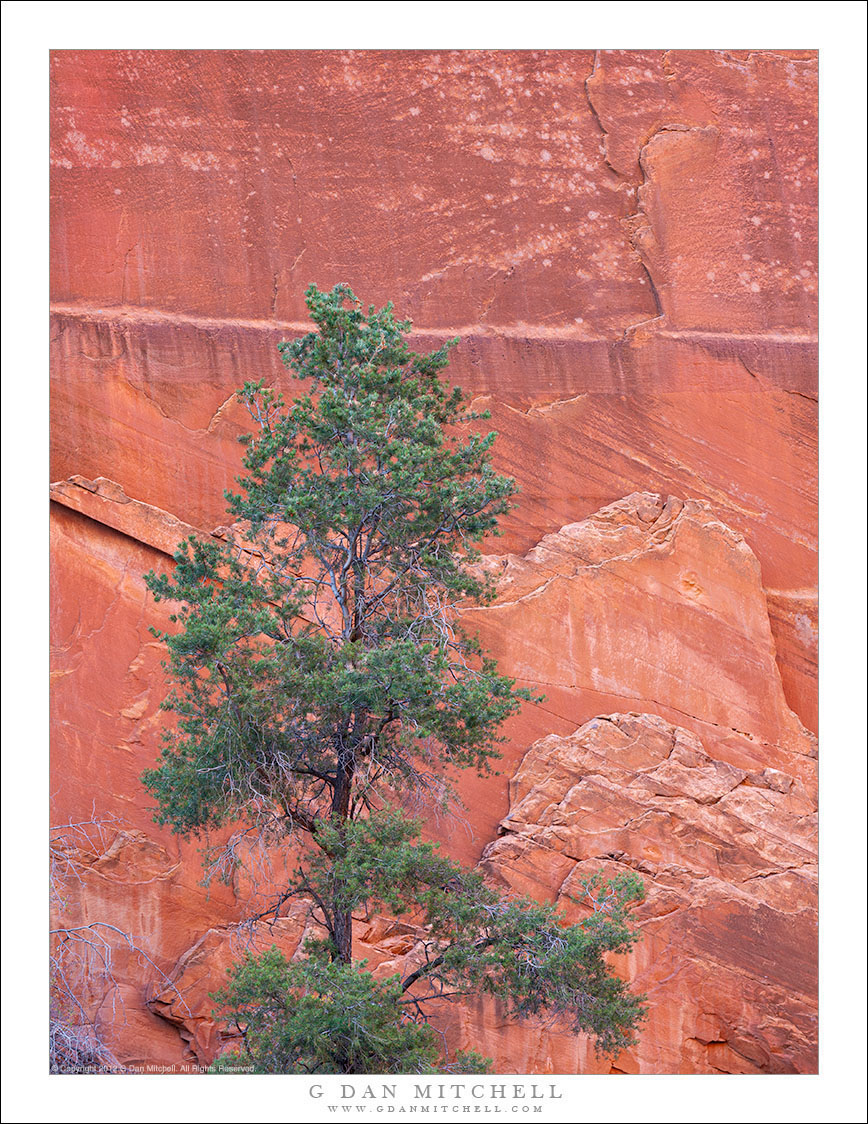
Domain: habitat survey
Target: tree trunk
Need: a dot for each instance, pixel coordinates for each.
(342, 932)
(343, 936)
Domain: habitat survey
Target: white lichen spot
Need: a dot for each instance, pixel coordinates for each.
(754, 287)
(151, 154)
(414, 110)
(545, 156)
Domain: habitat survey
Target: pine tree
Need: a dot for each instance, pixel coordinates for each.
(325, 690)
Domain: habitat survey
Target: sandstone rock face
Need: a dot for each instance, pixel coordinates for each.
(653, 605)
(626, 243)
(709, 791)
(728, 858)
(184, 999)
(264, 170)
(627, 237)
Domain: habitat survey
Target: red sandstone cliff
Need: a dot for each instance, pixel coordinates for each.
(626, 243)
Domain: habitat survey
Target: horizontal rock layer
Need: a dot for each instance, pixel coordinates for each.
(149, 402)
(633, 224)
(544, 187)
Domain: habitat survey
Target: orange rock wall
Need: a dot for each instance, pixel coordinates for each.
(626, 243)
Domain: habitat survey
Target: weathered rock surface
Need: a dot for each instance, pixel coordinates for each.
(627, 237)
(134, 904)
(105, 502)
(192, 175)
(651, 604)
(728, 955)
(626, 243)
(185, 998)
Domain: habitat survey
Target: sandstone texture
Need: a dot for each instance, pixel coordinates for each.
(706, 788)
(626, 243)
(629, 237)
(728, 956)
